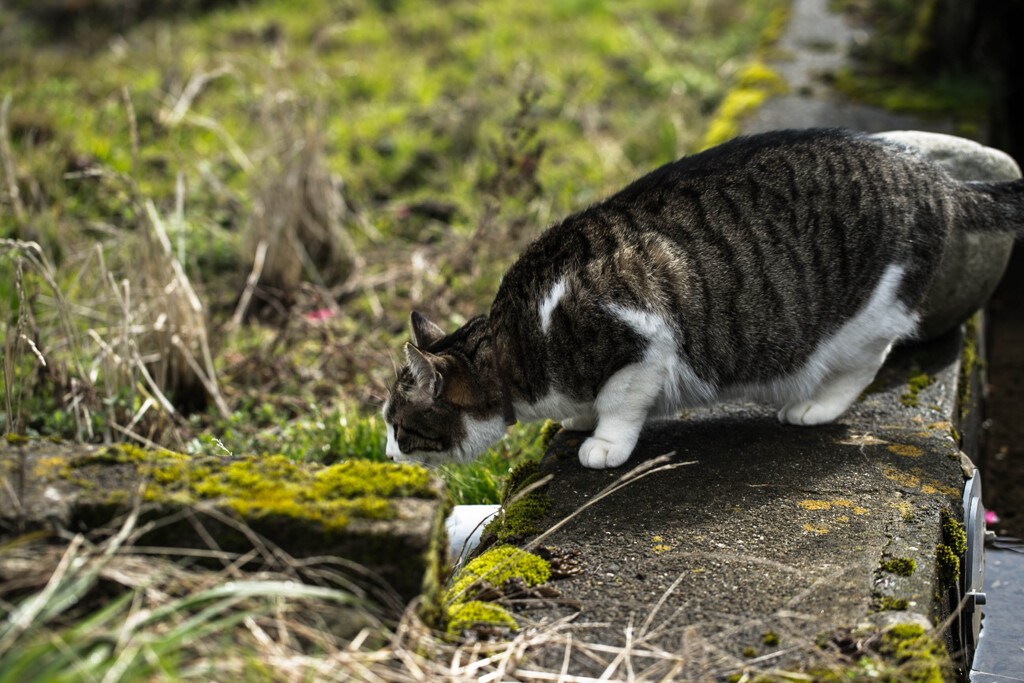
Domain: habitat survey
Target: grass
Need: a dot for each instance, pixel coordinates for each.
(219, 219)
(905, 67)
(215, 218)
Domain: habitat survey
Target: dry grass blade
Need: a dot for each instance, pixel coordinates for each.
(300, 213)
(642, 470)
(179, 323)
(7, 163)
(259, 260)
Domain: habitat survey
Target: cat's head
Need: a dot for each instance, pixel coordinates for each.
(445, 405)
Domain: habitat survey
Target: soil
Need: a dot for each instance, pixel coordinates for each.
(1003, 462)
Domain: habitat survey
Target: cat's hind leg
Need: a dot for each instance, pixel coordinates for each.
(843, 366)
(839, 390)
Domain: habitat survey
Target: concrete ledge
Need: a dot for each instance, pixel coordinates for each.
(777, 541)
(386, 518)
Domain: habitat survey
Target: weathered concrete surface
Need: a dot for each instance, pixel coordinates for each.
(815, 44)
(385, 518)
(773, 529)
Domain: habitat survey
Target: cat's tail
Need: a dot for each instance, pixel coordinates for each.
(994, 207)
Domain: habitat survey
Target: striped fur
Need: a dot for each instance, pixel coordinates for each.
(780, 267)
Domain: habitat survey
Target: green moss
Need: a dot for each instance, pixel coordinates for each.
(770, 638)
(521, 517)
(919, 657)
(261, 487)
(756, 84)
(777, 21)
(750, 652)
(887, 603)
(901, 566)
(363, 477)
(949, 552)
(520, 477)
(431, 608)
(497, 566)
(953, 533)
(547, 433)
(917, 381)
(465, 615)
(128, 453)
(969, 360)
(902, 654)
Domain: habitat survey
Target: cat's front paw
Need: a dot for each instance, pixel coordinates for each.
(580, 423)
(598, 454)
(811, 413)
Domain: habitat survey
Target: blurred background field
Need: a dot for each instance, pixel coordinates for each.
(218, 215)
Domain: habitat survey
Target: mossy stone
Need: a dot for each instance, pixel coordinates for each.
(383, 516)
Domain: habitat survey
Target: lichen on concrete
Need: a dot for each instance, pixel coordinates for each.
(383, 516)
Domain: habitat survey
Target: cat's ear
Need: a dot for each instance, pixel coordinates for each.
(424, 368)
(424, 332)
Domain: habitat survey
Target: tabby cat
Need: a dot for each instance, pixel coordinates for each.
(778, 267)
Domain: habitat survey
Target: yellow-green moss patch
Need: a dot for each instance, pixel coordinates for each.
(465, 615)
(918, 656)
(917, 381)
(904, 653)
(497, 566)
(520, 516)
(900, 566)
(887, 603)
(259, 487)
(969, 360)
(756, 83)
(949, 552)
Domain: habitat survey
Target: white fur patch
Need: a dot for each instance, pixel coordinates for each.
(679, 384)
(659, 383)
(480, 435)
(547, 306)
(859, 347)
(391, 448)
